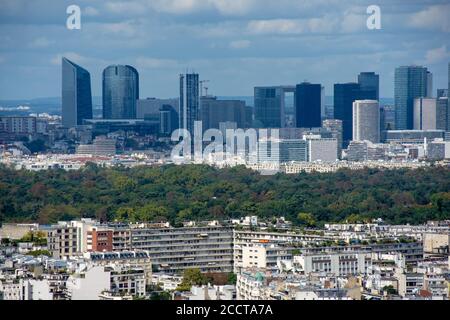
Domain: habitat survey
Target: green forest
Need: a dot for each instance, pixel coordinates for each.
(197, 192)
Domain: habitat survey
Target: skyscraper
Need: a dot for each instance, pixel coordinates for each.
(370, 81)
(168, 120)
(429, 93)
(120, 92)
(410, 82)
(366, 121)
(441, 93)
(425, 114)
(335, 127)
(442, 114)
(270, 106)
(344, 95)
(387, 117)
(76, 94)
(307, 105)
(189, 101)
(214, 111)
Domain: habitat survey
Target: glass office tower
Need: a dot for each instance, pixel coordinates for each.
(410, 82)
(370, 81)
(120, 92)
(76, 94)
(344, 96)
(189, 101)
(308, 98)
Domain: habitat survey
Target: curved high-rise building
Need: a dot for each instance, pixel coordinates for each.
(76, 94)
(120, 92)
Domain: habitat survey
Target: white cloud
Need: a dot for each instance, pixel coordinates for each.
(126, 7)
(234, 7)
(41, 42)
(91, 11)
(240, 44)
(437, 55)
(275, 26)
(154, 63)
(72, 56)
(434, 17)
(125, 28)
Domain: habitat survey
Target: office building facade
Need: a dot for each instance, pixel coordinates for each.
(168, 119)
(270, 106)
(410, 82)
(429, 115)
(334, 126)
(308, 104)
(189, 105)
(370, 81)
(344, 96)
(321, 149)
(366, 121)
(76, 94)
(149, 108)
(214, 111)
(120, 92)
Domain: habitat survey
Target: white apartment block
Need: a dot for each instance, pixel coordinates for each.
(265, 256)
(338, 264)
(276, 246)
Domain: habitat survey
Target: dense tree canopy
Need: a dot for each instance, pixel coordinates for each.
(197, 192)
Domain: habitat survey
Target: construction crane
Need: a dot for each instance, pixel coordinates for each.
(201, 87)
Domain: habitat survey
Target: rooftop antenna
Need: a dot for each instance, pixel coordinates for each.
(201, 87)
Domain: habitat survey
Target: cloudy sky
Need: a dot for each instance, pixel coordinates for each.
(236, 44)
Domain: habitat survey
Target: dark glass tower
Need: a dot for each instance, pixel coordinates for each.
(344, 95)
(410, 82)
(189, 101)
(370, 81)
(120, 92)
(76, 94)
(307, 105)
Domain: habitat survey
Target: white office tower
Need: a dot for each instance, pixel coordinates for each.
(366, 121)
(321, 149)
(431, 114)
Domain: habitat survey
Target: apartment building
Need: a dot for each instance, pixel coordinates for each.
(272, 245)
(250, 285)
(20, 125)
(436, 243)
(409, 283)
(63, 240)
(132, 259)
(95, 281)
(338, 264)
(265, 256)
(100, 240)
(209, 248)
(128, 281)
(412, 252)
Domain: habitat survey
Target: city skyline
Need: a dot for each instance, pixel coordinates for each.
(236, 47)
